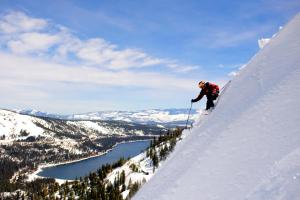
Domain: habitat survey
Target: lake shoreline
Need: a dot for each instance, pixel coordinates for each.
(34, 175)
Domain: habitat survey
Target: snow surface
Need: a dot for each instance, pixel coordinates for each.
(144, 174)
(263, 42)
(95, 126)
(12, 123)
(249, 146)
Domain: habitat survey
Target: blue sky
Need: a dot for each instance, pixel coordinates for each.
(80, 56)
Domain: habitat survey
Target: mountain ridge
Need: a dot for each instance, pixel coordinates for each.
(171, 116)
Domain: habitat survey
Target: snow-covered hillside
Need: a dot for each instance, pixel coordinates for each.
(153, 116)
(249, 146)
(15, 126)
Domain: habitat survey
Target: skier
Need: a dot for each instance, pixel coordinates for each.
(210, 90)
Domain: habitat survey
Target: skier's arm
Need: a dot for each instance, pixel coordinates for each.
(201, 94)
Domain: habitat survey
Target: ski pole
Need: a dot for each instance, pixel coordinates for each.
(188, 116)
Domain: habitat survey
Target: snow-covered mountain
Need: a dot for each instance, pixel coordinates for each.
(36, 113)
(249, 146)
(15, 126)
(153, 116)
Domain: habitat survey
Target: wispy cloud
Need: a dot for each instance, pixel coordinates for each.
(15, 22)
(181, 69)
(32, 42)
(33, 82)
(100, 52)
(231, 39)
(43, 63)
(22, 68)
(22, 34)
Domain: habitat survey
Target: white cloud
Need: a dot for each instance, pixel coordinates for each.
(37, 83)
(181, 68)
(100, 52)
(20, 68)
(42, 62)
(34, 35)
(32, 42)
(19, 22)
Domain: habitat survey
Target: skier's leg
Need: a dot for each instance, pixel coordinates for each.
(210, 102)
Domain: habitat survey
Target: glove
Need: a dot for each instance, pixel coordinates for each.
(192, 100)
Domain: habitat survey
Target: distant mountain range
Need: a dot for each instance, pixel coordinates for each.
(152, 116)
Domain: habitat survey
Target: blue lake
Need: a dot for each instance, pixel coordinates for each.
(82, 168)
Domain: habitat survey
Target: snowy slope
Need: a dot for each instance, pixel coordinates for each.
(249, 146)
(11, 124)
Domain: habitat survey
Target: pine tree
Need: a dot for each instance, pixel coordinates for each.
(155, 161)
(122, 177)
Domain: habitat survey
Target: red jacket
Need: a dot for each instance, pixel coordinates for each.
(209, 89)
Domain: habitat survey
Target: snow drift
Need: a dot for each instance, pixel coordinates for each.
(249, 146)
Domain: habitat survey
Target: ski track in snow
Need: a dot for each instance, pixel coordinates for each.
(248, 147)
